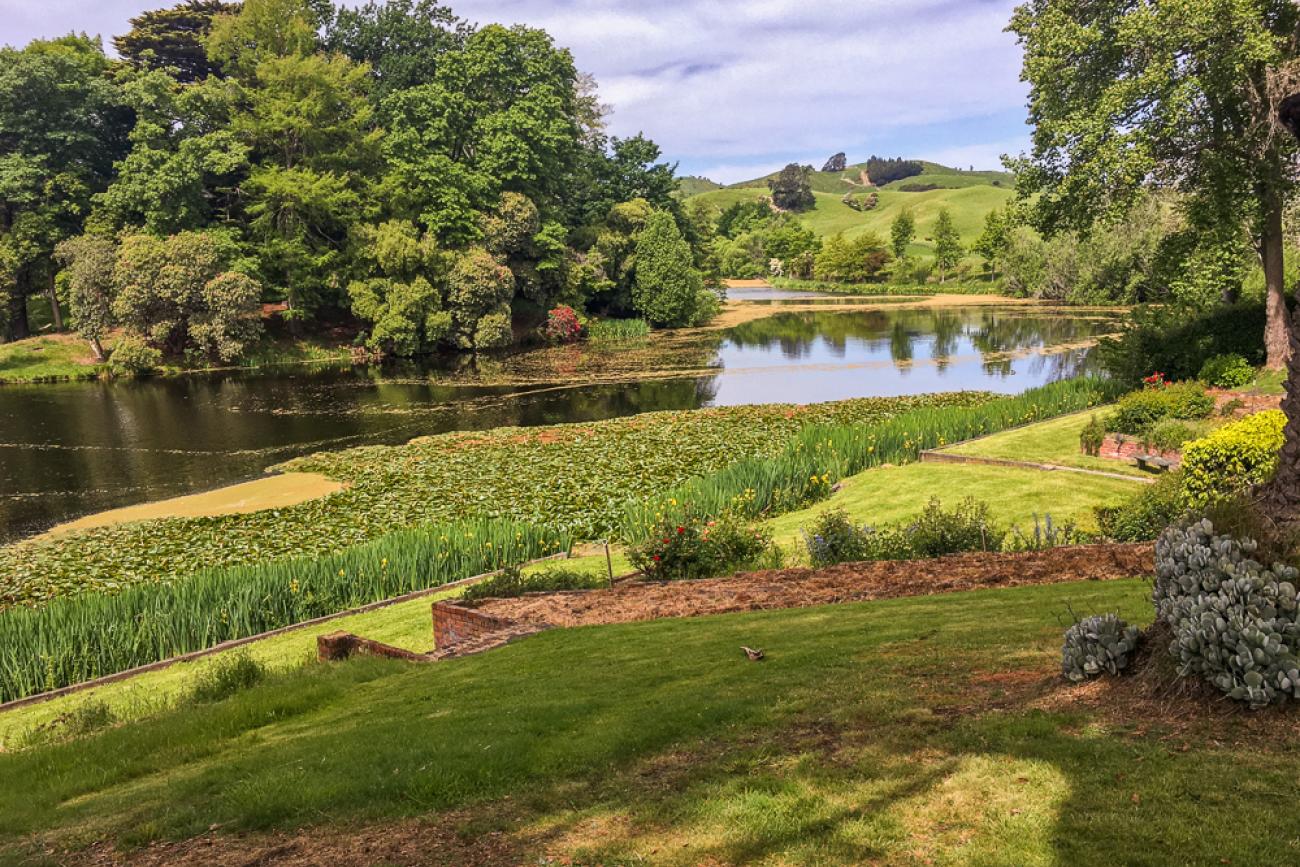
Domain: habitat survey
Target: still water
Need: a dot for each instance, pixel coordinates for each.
(73, 448)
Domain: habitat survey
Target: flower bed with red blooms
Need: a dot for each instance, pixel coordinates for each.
(691, 547)
(562, 325)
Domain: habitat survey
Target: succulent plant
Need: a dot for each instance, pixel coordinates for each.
(1235, 621)
(1102, 644)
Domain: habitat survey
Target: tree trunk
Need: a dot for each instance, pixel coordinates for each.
(55, 311)
(16, 325)
(97, 347)
(1277, 329)
(1280, 498)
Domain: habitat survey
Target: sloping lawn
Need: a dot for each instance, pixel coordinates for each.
(886, 495)
(1050, 442)
(895, 732)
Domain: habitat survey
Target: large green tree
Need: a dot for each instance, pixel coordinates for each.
(62, 127)
(668, 288)
(947, 244)
(173, 38)
(402, 41)
(1125, 96)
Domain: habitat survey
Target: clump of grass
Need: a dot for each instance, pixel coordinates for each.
(226, 675)
(84, 719)
(511, 582)
(78, 638)
(617, 330)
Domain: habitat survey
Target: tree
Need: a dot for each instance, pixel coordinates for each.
(62, 126)
(403, 298)
(792, 188)
(947, 244)
(1183, 95)
(478, 297)
(402, 41)
(668, 287)
(836, 163)
(88, 272)
(901, 232)
(182, 294)
(992, 242)
(857, 261)
(883, 171)
(173, 38)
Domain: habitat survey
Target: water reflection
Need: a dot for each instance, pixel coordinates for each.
(73, 448)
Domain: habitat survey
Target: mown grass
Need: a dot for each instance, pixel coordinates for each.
(888, 495)
(890, 732)
(1053, 442)
(574, 477)
(38, 359)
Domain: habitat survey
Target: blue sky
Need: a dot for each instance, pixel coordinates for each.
(733, 89)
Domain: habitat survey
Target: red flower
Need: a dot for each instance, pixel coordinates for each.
(681, 530)
(656, 558)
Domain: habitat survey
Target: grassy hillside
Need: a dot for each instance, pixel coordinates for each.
(968, 206)
(693, 186)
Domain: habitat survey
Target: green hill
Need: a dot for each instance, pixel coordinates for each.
(693, 185)
(967, 195)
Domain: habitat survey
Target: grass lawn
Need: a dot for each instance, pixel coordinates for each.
(888, 495)
(1050, 442)
(60, 356)
(902, 731)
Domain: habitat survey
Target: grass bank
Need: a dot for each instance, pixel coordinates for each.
(907, 731)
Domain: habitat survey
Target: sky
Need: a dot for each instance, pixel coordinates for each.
(733, 89)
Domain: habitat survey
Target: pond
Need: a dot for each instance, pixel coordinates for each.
(72, 448)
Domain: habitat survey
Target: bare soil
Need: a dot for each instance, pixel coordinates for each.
(848, 582)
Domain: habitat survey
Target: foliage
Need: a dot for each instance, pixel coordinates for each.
(562, 325)
(1179, 340)
(132, 357)
(1097, 645)
(1092, 436)
(857, 261)
(1144, 515)
(822, 455)
(885, 171)
(1137, 411)
(403, 298)
(901, 232)
(1235, 621)
(690, 547)
(668, 289)
(181, 294)
(89, 261)
(577, 477)
(84, 719)
(226, 675)
(172, 39)
(1167, 435)
(1047, 534)
(511, 582)
(80, 638)
(1237, 456)
(401, 41)
(935, 532)
(837, 163)
(792, 188)
(1226, 371)
(947, 244)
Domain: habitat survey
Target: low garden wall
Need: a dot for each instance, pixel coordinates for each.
(1120, 447)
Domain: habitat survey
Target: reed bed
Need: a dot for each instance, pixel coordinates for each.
(79, 638)
(617, 330)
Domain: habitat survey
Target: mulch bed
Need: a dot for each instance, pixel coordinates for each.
(847, 582)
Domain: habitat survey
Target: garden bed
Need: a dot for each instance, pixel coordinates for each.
(847, 582)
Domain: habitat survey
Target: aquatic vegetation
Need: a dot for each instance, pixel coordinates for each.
(90, 635)
(576, 477)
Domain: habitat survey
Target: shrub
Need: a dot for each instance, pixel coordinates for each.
(1234, 620)
(511, 582)
(132, 356)
(833, 538)
(1047, 534)
(1238, 455)
(1146, 514)
(562, 325)
(1092, 436)
(1179, 340)
(228, 674)
(1229, 409)
(693, 547)
(1103, 644)
(1137, 411)
(933, 533)
(1167, 435)
(1226, 371)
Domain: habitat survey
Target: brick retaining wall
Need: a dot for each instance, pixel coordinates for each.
(454, 624)
(1119, 447)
